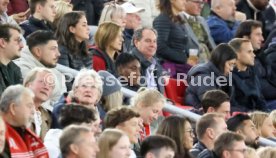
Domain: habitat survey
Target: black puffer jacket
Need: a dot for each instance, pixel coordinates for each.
(213, 78)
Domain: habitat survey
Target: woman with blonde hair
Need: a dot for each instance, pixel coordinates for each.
(266, 152)
(263, 124)
(113, 143)
(113, 12)
(62, 7)
(250, 153)
(108, 41)
(149, 104)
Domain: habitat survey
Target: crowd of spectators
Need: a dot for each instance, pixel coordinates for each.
(223, 50)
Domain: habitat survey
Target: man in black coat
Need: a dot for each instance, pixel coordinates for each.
(10, 46)
(247, 95)
(43, 13)
(145, 42)
(254, 9)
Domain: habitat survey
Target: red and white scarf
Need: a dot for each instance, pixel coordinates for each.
(29, 147)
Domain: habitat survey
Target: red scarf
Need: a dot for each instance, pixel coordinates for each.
(144, 132)
(30, 147)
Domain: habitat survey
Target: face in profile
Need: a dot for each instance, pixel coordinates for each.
(23, 113)
(87, 147)
(48, 10)
(150, 113)
(188, 136)
(14, 45)
(81, 30)
(267, 128)
(49, 54)
(121, 148)
(250, 133)
(131, 128)
(229, 66)
(246, 55)
(256, 38)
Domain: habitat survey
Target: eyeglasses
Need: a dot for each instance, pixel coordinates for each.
(201, 3)
(84, 86)
(238, 150)
(191, 131)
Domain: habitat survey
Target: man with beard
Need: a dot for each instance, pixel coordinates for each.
(254, 9)
(242, 124)
(42, 51)
(10, 46)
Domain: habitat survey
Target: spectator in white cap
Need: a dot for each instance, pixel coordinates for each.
(150, 12)
(133, 22)
(112, 96)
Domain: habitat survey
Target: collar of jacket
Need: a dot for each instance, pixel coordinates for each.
(40, 23)
(252, 6)
(144, 62)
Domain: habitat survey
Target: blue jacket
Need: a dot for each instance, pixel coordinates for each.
(197, 149)
(56, 111)
(222, 31)
(214, 80)
(32, 24)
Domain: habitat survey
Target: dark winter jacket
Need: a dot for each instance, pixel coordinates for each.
(202, 78)
(32, 24)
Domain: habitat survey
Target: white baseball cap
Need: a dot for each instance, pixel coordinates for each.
(130, 8)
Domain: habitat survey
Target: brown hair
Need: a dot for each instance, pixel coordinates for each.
(206, 121)
(236, 43)
(71, 135)
(225, 141)
(105, 34)
(65, 37)
(165, 7)
(118, 116)
(174, 127)
(107, 140)
(258, 118)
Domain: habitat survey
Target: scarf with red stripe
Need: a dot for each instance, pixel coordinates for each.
(29, 147)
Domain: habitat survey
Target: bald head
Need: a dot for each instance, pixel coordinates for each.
(224, 8)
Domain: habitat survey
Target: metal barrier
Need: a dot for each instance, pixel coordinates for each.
(168, 107)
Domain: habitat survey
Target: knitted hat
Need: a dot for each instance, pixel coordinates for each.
(110, 83)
